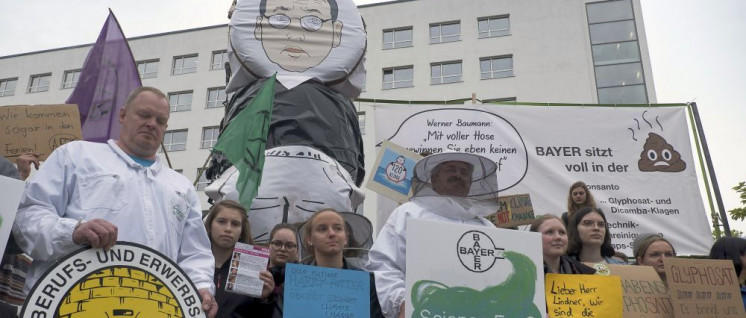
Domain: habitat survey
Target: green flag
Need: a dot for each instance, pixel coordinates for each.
(244, 140)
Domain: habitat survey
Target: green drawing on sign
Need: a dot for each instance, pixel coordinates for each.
(513, 298)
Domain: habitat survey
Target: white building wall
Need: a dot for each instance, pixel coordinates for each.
(549, 42)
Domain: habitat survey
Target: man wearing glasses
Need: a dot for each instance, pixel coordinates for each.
(298, 34)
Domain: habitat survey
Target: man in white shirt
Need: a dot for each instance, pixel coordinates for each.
(95, 193)
(448, 187)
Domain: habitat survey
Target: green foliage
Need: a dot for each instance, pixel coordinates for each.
(739, 214)
(733, 232)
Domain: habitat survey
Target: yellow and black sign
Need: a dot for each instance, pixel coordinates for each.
(129, 280)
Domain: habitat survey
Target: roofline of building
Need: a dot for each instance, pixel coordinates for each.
(173, 32)
(128, 39)
(382, 3)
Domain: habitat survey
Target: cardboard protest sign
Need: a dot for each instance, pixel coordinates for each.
(513, 210)
(456, 270)
(703, 288)
(583, 296)
(637, 161)
(393, 171)
(9, 199)
(128, 280)
(313, 291)
(39, 128)
(644, 294)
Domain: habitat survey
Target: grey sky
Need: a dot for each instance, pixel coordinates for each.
(697, 50)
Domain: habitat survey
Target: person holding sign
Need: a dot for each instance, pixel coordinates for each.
(652, 251)
(590, 240)
(99, 193)
(325, 236)
(578, 198)
(227, 224)
(554, 246)
(734, 249)
(448, 187)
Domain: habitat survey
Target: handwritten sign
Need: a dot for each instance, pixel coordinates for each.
(39, 128)
(9, 199)
(513, 210)
(703, 288)
(129, 280)
(583, 296)
(312, 291)
(392, 173)
(644, 294)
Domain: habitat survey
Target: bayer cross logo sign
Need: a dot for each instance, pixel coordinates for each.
(477, 252)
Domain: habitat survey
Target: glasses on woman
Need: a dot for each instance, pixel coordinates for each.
(278, 245)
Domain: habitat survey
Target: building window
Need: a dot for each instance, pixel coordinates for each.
(446, 72)
(398, 77)
(175, 140)
(202, 182)
(8, 86)
(215, 97)
(606, 11)
(616, 53)
(496, 67)
(361, 122)
(493, 26)
(148, 69)
(218, 60)
(39, 83)
(184, 65)
(180, 101)
(394, 39)
(210, 136)
(445, 32)
(70, 79)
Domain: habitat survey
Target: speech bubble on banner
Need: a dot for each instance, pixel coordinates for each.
(471, 131)
(128, 280)
(39, 128)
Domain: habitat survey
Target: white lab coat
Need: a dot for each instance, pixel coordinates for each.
(387, 258)
(153, 206)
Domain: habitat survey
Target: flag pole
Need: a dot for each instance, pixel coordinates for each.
(201, 171)
(166, 154)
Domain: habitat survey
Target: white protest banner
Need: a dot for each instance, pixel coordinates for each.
(456, 270)
(637, 161)
(128, 280)
(11, 196)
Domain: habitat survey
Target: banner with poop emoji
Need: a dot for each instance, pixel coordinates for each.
(636, 161)
(658, 155)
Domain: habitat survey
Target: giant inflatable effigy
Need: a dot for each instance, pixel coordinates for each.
(314, 151)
